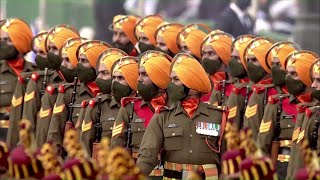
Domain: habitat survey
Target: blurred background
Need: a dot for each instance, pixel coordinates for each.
(294, 20)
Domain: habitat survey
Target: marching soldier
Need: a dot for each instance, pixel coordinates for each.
(240, 93)
(166, 37)
(145, 30)
(262, 88)
(189, 131)
(15, 40)
(67, 106)
(68, 69)
(216, 54)
(278, 122)
(96, 126)
(123, 33)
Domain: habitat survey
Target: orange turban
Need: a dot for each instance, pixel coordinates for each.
(169, 32)
(39, 41)
(60, 33)
(148, 25)
(19, 33)
(191, 73)
(315, 68)
(302, 61)
(127, 24)
(129, 69)
(92, 50)
(193, 37)
(70, 48)
(157, 65)
(111, 55)
(259, 47)
(221, 42)
(280, 50)
(240, 44)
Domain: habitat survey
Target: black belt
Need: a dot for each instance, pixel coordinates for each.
(178, 174)
(284, 150)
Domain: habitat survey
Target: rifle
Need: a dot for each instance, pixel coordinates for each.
(69, 124)
(44, 82)
(246, 99)
(314, 134)
(223, 91)
(129, 131)
(265, 96)
(275, 143)
(98, 128)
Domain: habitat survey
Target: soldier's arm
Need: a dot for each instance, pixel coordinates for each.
(31, 103)
(87, 129)
(215, 98)
(151, 144)
(119, 135)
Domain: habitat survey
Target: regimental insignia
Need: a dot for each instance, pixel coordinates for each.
(264, 126)
(117, 129)
(232, 112)
(92, 103)
(35, 77)
(251, 111)
(50, 89)
(86, 126)
(29, 96)
(61, 89)
(16, 102)
(209, 129)
(58, 109)
(300, 136)
(44, 113)
(295, 133)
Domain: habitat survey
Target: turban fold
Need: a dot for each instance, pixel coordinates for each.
(315, 68)
(19, 33)
(127, 24)
(59, 34)
(191, 73)
(148, 25)
(128, 67)
(39, 41)
(92, 50)
(259, 47)
(280, 50)
(70, 48)
(169, 32)
(110, 56)
(240, 44)
(221, 43)
(157, 65)
(302, 61)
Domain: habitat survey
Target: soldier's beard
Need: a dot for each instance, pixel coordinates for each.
(127, 48)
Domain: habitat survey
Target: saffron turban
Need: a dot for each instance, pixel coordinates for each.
(169, 32)
(127, 24)
(39, 41)
(148, 25)
(280, 50)
(92, 50)
(70, 48)
(240, 44)
(110, 56)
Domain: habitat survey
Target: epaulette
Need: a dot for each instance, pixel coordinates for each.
(127, 100)
(35, 76)
(161, 108)
(92, 102)
(275, 98)
(258, 89)
(301, 108)
(220, 108)
(308, 112)
(238, 90)
(84, 103)
(21, 80)
(61, 88)
(50, 89)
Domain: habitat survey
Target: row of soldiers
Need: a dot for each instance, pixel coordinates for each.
(165, 92)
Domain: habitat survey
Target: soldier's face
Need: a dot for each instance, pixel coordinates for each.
(209, 53)
(162, 44)
(275, 61)
(119, 37)
(316, 82)
(66, 61)
(292, 72)
(183, 46)
(175, 79)
(103, 73)
(39, 51)
(4, 37)
(253, 60)
(142, 37)
(117, 76)
(143, 77)
(235, 54)
(53, 48)
(84, 61)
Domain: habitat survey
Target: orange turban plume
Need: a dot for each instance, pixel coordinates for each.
(92, 50)
(128, 67)
(259, 47)
(221, 43)
(280, 50)
(191, 73)
(70, 48)
(19, 33)
(157, 65)
(110, 56)
(240, 44)
(148, 25)
(60, 33)
(302, 61)
(127, 24)
(39, 41)
(169, 32)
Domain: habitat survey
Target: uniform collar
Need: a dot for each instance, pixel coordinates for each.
(84, 89)
(55, 77)
(202, 109)
(5, 67)
(113, 103)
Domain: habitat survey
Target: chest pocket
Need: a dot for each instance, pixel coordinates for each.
(138, 130)
(173, 138)
(107, 125)
(6, 92)
(206, 142)
(287, 127)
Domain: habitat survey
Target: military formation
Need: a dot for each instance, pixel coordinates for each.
(162, 101)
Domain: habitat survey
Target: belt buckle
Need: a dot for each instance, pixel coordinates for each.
(159, 167)
(187, 174)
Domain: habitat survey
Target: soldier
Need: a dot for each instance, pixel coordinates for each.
(68, 69)
(189, 131)
(91, 133)
(216, 54)
(238, 98)
(190, 39)
(166, 36)
(145, 32)
(278, 122)
(262, 88)
(67, 106)
(15, 40)
(123, 33)
(308, 128)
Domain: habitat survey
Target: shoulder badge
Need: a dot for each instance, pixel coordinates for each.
(126, 100)
(117, 129)
(300, 136)
(58, 109)
(16, 101)
(258, 89)
(295, 133)
(232, 112)
(273, 100)
(251, 111)
(44, 113)
(35, 76)
(84, 103)
(21, 80)
(308, 112)
(301, 108)
(264, 126)
(86, 126)
(92, 102)
(61, 88)
(29, 96)
(237, 90)
(50, 89)
(161, 108)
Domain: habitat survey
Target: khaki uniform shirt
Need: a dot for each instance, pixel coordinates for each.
(184, 140)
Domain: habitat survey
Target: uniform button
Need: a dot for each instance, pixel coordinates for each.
(173, 134)
(289, 125)
(138, 129)
(190, 151)
(2, 91)
(77, 114)
(111, 128)
(190, 135)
